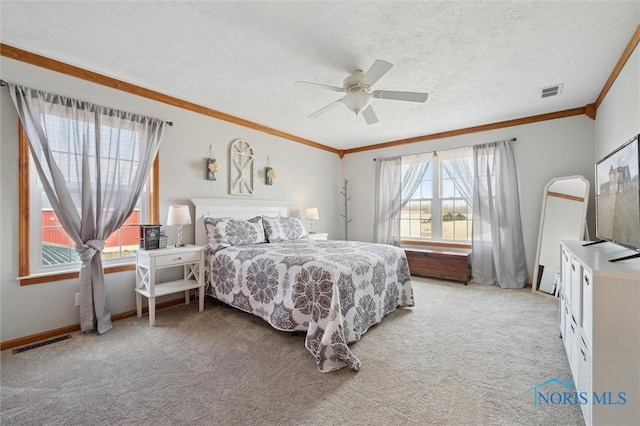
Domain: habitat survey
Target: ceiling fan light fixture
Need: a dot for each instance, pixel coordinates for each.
(359, 92)
(357, 101)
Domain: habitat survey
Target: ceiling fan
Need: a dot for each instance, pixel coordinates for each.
(359, 93)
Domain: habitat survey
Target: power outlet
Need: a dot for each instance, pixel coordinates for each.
(77, 299)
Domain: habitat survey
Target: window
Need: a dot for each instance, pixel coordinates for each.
(45, 247)
(440, 208)
(416, 215)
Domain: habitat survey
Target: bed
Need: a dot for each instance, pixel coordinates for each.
(261, 261)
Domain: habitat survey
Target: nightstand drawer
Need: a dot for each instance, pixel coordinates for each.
(177, 258)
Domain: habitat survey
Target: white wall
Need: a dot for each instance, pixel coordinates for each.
(618, 117)
(307, 177)
(543, 151)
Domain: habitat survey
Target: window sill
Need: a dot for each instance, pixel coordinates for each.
(426, 243)
(67, 275)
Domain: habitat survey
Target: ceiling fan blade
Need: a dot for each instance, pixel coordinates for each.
(323, 86)
(324, 109)
(400, 96)
(369, 116)
(375, 73)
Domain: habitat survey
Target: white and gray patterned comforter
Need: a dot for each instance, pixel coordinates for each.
(333, 290)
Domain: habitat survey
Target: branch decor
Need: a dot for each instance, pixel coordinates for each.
(344, 193)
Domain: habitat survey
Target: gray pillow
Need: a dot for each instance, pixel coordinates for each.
(283, 228)
(224, 232)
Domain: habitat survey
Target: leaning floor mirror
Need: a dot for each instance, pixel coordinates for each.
(563, 217)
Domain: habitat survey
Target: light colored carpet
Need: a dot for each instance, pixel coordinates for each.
(465, 355)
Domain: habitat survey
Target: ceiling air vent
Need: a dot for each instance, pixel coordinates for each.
(547, 92)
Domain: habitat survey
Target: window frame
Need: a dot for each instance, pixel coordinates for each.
(437, 202)
(24, 224)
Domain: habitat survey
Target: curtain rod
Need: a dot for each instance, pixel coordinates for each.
(4, 84)
(510, 140)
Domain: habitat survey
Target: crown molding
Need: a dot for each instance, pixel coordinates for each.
(54, 65)
(626, 54)
(81, 73)
(474, 129)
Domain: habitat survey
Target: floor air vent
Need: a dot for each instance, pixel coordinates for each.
(40, 344)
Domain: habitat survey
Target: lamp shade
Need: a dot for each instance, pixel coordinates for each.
(312, 214)
(179, 215)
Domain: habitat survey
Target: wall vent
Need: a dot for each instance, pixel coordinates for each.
(547, 92)
(40, 344)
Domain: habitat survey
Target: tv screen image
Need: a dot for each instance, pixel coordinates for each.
(618, 196)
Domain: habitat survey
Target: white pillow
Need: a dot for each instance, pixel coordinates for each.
(283, 228)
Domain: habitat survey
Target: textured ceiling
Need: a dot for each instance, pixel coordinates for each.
(481, 62)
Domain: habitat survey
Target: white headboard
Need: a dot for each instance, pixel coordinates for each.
(237, 209)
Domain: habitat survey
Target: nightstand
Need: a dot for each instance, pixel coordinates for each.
(317, 236)
(191, 258)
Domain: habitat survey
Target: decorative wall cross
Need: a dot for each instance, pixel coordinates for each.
(242, 159)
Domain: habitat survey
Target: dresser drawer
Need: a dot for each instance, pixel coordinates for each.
(573, 353)
(587, 305)
(563, 316)
(177, 258)
(576, 291)
(568, 335)
(566, 275)
(583, 384)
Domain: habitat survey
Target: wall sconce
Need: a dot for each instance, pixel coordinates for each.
(311, 215)
(179, 215)
(212, 167)
(270, 173)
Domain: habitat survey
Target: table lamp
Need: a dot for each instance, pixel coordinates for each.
(311, 215)
(179, 215)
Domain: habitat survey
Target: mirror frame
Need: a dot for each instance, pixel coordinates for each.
(546, 194)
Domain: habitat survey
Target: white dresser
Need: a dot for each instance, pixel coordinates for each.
(600, 327)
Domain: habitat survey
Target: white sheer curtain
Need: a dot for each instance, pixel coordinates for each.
(397, 178)
(498, 247)
(104, 176)
(458, 162)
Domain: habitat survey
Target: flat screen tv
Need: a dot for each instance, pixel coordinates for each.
(618, 197)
